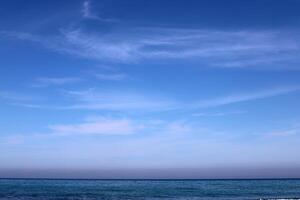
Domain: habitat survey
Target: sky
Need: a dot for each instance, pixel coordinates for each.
(201, 87)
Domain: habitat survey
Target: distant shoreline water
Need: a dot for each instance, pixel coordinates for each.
(153, 179)
(152, 189)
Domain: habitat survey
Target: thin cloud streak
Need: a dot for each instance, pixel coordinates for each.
(86, 10)
(15, 96)
(92, 99)
(111, 77)
(89, 14)
(215, 48)
(284, 133)
(129, 102)
(219, 114)
(243, 97)
(121, 101)
(115, 126)
(44, 81)
(100, 127)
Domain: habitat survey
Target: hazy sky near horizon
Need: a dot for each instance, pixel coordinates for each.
(149, 84)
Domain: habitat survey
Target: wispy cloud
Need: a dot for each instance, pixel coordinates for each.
(32, 105)
(21, 36)
(219, 114)
(87, 12)
(44, 81)
(111, 77)
(93, 99)
(12, 140)
(9, 95)
(116, 126)
(179, 128)
(215, 48)
(101, 127)
(122, 101)
(284, 133)
(230, 99)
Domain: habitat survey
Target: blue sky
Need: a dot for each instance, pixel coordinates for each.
(149, 84)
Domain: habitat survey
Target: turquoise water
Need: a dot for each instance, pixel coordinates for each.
(148, 189)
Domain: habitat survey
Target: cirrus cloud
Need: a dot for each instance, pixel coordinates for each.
(99, 127)
(259, 49)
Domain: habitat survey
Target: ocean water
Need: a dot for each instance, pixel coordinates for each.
(148, 189)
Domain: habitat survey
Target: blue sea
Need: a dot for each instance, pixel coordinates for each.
(43, 189)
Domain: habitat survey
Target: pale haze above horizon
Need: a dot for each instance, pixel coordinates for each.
(132, 88)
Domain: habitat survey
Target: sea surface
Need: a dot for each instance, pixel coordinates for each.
(21, 189)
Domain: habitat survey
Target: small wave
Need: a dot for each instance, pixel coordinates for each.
(279, 199)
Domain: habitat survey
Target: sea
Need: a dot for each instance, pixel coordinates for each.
(46, 189)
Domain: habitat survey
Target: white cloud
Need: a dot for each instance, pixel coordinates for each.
(118, 101)
(179, 128)
(284, 133)
(44, 81)
(89, 14)
(116, 126)
(121, 101)
(86, 10)
(28, 105)
(12, 140)
(293, 130)
(230, 99)
(229, 49)
(96, 47)
(21, 36)
(15, 96)
(219, 114)
(110, 77)
(105, 127)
